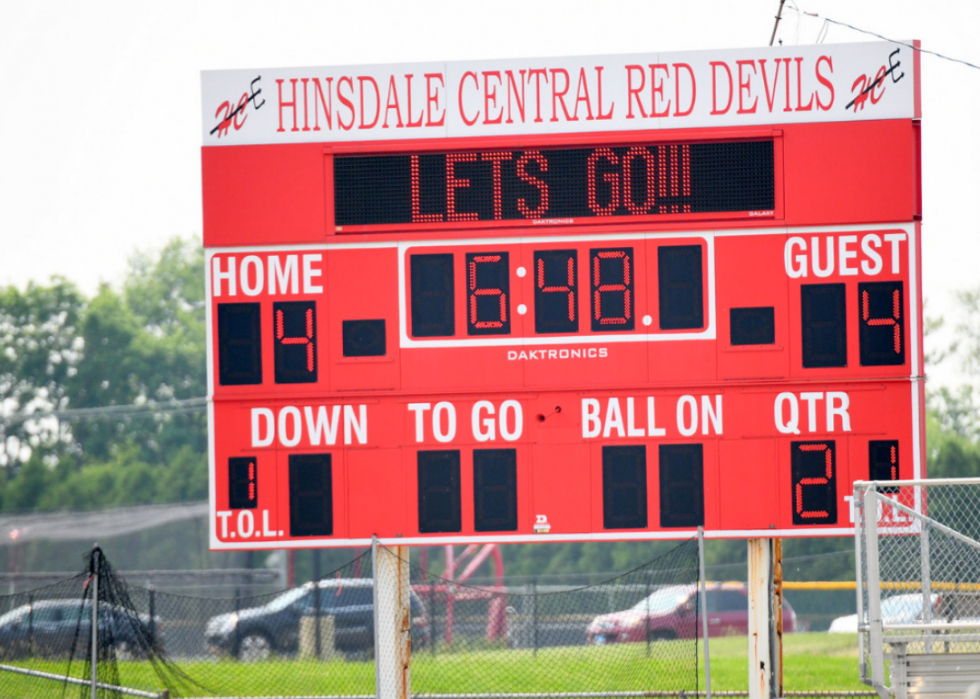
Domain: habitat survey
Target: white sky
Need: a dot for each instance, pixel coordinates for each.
(100, 120)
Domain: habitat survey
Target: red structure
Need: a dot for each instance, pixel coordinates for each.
(578, 327)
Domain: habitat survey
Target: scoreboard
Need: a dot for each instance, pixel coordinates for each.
(624, 314)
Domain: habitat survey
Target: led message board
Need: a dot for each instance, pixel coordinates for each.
(564, 336)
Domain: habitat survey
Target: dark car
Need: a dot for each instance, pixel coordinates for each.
(257, 633)
(672, 612)
(52, 627)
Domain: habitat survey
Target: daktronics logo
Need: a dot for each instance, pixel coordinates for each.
(533, 355)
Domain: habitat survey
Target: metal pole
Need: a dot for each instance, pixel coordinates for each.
(534, 613)
(646, 621)
(316, 602)
(377, 626)
(153, 620)
(760, 618)
(875, 643)
(95, 621)
(704, 612)
(30, 623)
(779, 16)
(858, 504)
(926, 580)
(777, 589)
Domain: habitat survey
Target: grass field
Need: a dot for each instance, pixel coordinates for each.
(812, 662)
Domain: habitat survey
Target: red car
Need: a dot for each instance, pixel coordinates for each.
(671, 612)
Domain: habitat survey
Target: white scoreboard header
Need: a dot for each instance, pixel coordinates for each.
(744, 87)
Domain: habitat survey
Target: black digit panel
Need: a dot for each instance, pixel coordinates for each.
(310, 495)
(624, 487)
(681, 485)
(439, 494)
(239, 344)
(823, 314)
(363, 338)
(680, 285)
(555, 291)
(294, 328)
(488, 293)
(243, 483)
(882, 335)
(495, 489)
(611, 280)
(753, 326)
(813, 472)
(883, 462)
(433, 303)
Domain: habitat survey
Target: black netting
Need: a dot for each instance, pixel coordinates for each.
(737, 176)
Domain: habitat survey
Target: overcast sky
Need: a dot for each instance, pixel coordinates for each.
(100, 121)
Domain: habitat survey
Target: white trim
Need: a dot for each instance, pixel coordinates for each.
(215, 542)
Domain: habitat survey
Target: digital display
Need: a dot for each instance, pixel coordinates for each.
(624, 487)
(554, 183)
(823, 316)
(753, 326)
(882, 334)
(310, 495)
(883, 462)
(612, 289)
(239, 344)
(813, 473)
(679, 275)
(488, 293)
(495, 490)
(681, 485)
(555, 284)
(439, 493)
(294, 325)
(243, 483)
(433, 304)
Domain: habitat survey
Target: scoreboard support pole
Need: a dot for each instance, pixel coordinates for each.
(765, 627)
(392, 622)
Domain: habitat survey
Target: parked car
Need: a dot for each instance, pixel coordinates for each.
(897, 609)
(52, 627)
(672, 612)
(256, 633)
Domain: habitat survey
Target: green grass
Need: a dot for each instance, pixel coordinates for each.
(817, 661)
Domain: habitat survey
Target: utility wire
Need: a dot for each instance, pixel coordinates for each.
(186, 405)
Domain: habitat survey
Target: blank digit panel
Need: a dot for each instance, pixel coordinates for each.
(239, 344)
(813, 474)
(433, 303)
(555, 291)
(439, 493)
(294, 329)
(883, 462)
(823, 315)
(243, 483)
(310, 495)
(624, 487)
(882, 334)
(753, 326)
(681, 485)
(363, 338)
(488, 293)
(680, 285)
(495, 490)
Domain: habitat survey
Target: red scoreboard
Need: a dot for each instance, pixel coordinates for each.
(593, 298)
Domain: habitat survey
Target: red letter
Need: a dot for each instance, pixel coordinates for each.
(824, 81)
(542, 208)
(745, 86)
(496, 159)
(582, 95)
(879, 81)
(243, 103)
(608, 115)
(770, 97)
(714, 85)
(610, 178)
(559, 96)
(631, 93)
(490, 95)
(537, 73)
(511, 84)
(408, 112)
(787, 61)
(377, 101)
(468, 122)
(286, 104)
(657, 90)
(346, 102)
(417, 215)
(452, 183)
(799, 88)
(389, 104)
(677, 89)
(327, 108)
(649, 198)
(431, 99)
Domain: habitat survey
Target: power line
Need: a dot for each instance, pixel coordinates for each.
(149, 409)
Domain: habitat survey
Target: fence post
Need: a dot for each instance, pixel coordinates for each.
(534, 613)
(859, 514)
(434, 633)
(926, 581)
(646, 621)
(153, 612)
(316, 602)
(238, 609)
(30, 623)
(95, 621)
(875, 641)
(392, 630)
(704, 612)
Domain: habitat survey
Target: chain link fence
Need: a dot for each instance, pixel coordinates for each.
(918, 568)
